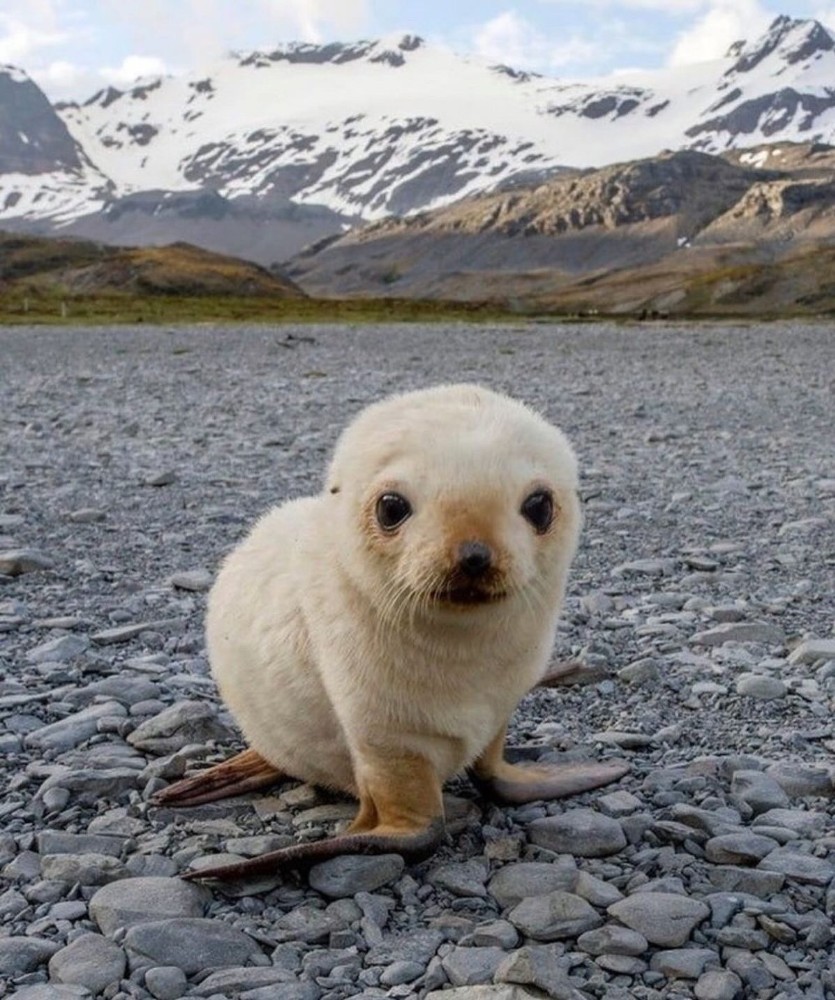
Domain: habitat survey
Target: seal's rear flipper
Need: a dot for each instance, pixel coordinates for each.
(498, 779)
(572, 672)
(517, 785)
(245, 772)
(412, 846)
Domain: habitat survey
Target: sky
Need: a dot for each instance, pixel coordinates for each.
(72, 48)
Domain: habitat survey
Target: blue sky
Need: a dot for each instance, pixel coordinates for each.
(73, 47)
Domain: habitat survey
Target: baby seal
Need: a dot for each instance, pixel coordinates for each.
(376, 638)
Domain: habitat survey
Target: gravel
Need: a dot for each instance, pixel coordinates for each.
(701, 610)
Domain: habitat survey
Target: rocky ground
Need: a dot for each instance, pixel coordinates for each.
(702, 605)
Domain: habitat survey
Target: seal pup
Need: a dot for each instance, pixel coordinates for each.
(375, 639)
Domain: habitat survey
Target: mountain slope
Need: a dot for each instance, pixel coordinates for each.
(264, 152)
(32, 264)
(613, 239)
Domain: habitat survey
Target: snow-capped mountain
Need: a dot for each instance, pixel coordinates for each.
(264, 152)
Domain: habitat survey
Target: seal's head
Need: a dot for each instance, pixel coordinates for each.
(456, 497)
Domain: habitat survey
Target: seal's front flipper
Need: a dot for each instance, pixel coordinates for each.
(401, 812)
(245, 772)
(513, 784)
(413, 846)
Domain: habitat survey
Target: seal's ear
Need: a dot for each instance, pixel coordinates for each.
(333, 489)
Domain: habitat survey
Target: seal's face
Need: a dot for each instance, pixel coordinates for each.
(467, 544)
(459, 498)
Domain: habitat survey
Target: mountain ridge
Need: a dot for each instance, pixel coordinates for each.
(266, 152)
(631, 237)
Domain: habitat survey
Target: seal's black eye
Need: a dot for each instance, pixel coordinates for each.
(538, 510)
(392, 510)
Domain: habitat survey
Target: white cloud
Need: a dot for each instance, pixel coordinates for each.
(722, 24)
(19, 41)
(825, 13)
(664, 6)
(316, 20)
(511, 40)
(133, 68)
(206, 29)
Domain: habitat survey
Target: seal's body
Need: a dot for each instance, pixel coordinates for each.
(376, 638)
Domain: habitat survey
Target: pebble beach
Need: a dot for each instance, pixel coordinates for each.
(700, 620)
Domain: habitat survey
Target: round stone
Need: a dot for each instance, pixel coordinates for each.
(90, 960)
(513, 883)
(664, 918)
(137, 900)
(612, 939)
(166, 982)
(718, 984)
(585, 833)
(738, 848)
(345, 876)
(554, 917)
(761, 686)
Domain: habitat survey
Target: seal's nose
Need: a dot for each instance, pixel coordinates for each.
(474, 558)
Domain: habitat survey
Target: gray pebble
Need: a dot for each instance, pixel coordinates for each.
(137, 900)
(52, 991)
(89, 786)
(198, 580)
(463, 878)
(471, 966)
(192, 943)
(761, 686)
(497, 933)
(812, 651)
(758, 791)
(595, 890)
(418, 946)
(24, 954)
(684, 963)
(165, 982)
(584, 833)
(87, 515)
(718, 984)
(235, 981)
(401, 972)
(515, 882)
(619, 803)
(621, 965)
(124, 633)
(309, 924)
(612, 939)
(345, 876)
(759, 632)
(485, 993)
(91, 961)
(645, 567)
(62, 649)
(58, 842)
(664, 918)
(732, 878)
(537, 966)
(799, 780)
(738, 848)
(16, 562)
(178, 726)
(554, 917)
(806, 823)
(163, 478)
(800, 867)
(74, 729)
(84, 869)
